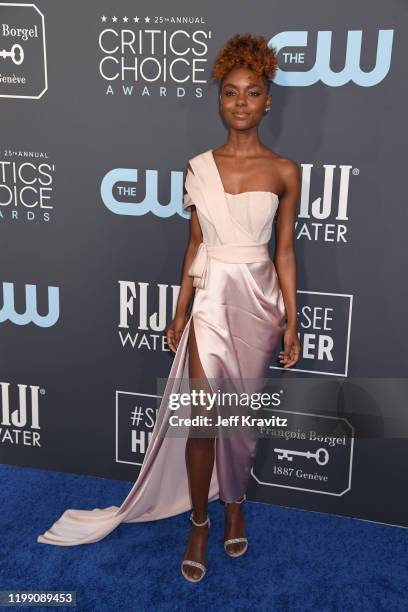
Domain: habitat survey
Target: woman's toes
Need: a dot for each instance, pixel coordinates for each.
(235, 548)
(193, 574)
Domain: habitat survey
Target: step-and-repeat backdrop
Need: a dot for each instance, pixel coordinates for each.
(102, 104)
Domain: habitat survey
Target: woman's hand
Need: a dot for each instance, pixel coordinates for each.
(175, 330)
(292, 347)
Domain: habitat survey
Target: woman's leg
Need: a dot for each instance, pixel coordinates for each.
(235, 457)
(200, 452)
(234, 527)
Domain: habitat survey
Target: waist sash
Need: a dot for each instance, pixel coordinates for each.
(230, 253)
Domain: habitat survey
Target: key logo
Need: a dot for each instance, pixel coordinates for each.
(321, 456)
(23, 58)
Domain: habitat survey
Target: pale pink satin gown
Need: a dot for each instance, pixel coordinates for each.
(239, 318)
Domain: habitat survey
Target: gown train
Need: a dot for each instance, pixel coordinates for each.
(239, 317)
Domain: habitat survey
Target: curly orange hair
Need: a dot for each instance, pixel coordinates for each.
(249, 51)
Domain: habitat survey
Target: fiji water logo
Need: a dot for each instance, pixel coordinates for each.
(321, 71)
(145, 309)
(325, 218)
(120, 193)
(31, 314)
(26, 412)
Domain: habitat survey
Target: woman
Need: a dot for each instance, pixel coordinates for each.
(237, 318)
(251, 177)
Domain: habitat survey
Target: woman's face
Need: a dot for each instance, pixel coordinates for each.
(244, 98)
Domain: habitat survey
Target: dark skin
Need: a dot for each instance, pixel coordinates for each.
(244, 164)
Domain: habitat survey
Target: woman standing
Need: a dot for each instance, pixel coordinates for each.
(254, 181)
(243, 305)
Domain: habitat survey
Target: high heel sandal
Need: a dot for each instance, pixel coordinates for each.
(235, 540)
(195, 563)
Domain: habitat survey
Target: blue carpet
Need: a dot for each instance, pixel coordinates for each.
(297, 561)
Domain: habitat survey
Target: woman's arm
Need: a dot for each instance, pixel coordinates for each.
(175, 329)
(285, 257)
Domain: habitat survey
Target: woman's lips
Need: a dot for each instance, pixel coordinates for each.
(240, 115)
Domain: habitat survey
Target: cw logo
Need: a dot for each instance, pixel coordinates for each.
(8, 312)
(121, 183)
(321, 70)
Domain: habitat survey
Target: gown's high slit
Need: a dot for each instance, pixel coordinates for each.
(238, 317)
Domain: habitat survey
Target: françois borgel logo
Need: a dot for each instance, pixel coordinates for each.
(23, 60)
(314, 453)
(20, 414)
(145, 309)
(324, 324)
(141, 55)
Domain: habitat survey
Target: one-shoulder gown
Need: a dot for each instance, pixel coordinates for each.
(239, 317)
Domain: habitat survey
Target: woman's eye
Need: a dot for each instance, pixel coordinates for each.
(228, 93)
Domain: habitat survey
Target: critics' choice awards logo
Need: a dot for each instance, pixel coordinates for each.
(134, 192)
(324, 325)
(314, 454)
(153, 54)
(135, 419)
(23, 61)
(316, 58)
(20, 414)
(26, 186)
(22, 307)
(144, 311)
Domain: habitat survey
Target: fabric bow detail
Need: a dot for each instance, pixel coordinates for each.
(199, 268)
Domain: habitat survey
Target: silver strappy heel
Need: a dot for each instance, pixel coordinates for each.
(236, 540)
(195, 563)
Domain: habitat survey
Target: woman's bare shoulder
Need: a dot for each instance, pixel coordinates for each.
(288, 168)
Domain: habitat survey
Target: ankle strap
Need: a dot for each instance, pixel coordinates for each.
(207, 520)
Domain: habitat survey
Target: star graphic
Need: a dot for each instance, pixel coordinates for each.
(147, 19)
(136, 19)
(114, 18)
(125, 19)
(103, 18)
